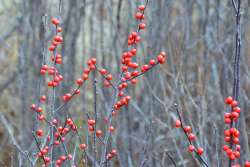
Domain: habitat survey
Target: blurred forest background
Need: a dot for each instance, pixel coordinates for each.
(199, 37)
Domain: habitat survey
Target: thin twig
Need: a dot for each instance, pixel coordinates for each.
(201, 160)
(13, 140)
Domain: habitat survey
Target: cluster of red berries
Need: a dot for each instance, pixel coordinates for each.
(62, 159)
(107, 77)
(62, 131)
(234, 115)
(57, 40)
(55, 58)
(130, 71)
(59, 137)
(191, 137)
(91, 124)
(43, 151)
(129, 67)
(80, 81)
(112, 154)
(232, 134)
(57, 77)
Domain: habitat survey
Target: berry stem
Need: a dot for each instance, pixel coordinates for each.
(201, 160)
(236, 69)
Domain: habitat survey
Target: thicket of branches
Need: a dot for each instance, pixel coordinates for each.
(200, 39)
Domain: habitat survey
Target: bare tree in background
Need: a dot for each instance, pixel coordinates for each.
(198, 36)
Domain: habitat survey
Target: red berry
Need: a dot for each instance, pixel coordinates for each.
(134, 34)
(79, 81)
(135, 73)
(70, 157)
(103, 71)
(59, 29)
(109, 77)
(50, 84)
(111, 129)
(83, 146)
(42, 71)
(45, 67)
(187, 129)
(227, 115)
(39, 132)
(133, 81)
(91, 128)
(59, 61)
(109, 156)
(229, 100)
(145, 68)
(200, 151)
(63, 157)
(133, 65)
(54, 121)
(236, 140)
(44, 151)
(142, 26)
(227, 133)
(177, 123)
(85, 76)
(235, 114)
(234, 103)
(141, 7)
(69, 121)
(91, 122)
(133, 51)
(121, 93)
(46, 159)
(237, 109)
(124, 68)
(58, 38)
(55, 21)
(227, 139)
(247, 164)
(139, 16)
(161, 59)
(114, 152)
(33, 106)
(237, 154)
(237, 147)
(137, 39)
(152, 62)
(232, 157)
(77, 91)
(52, 48)
(39, 109)
(93, 60)
(127, 75)
(191, 136)
(98, 133)
(106, 84)
(225, 147)
(227, 120)
(229, 152)
(67, 97)
(40, 117)
(86, 71)
(74, 127)
(43, 98)
(233, 130)
(59, 162)
(191, 148)
(163, 53)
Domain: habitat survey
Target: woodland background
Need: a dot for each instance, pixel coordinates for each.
(199, 37)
